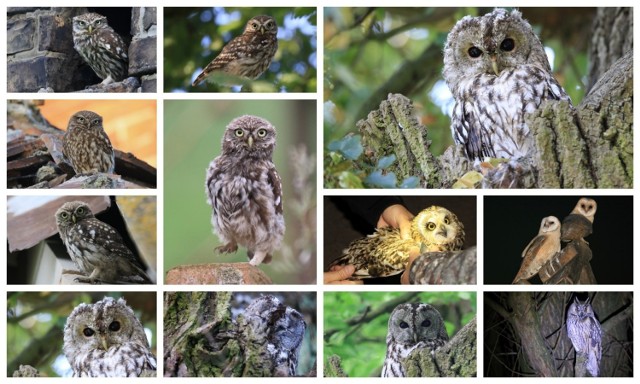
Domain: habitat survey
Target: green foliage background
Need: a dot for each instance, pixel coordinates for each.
(365, 47)
(362, 347)
(193, 133)
(293, 68)
(35, 322)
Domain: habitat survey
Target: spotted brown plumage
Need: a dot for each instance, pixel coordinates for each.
(86, 145)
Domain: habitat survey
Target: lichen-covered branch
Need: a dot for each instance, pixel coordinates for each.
(452, 267)
(456, 359)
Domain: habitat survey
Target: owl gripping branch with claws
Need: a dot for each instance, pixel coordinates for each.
(245, 191)
(386, 253)
(249, 54)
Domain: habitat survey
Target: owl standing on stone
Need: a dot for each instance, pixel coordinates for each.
(249, 54)
(96, 248)
(412, 326)
(86, 145)
(106, 339)
(245, 192)
(540, 249)
(497, 71)
(269, 327)
(100, 47)
(386, 253)
(585, 333)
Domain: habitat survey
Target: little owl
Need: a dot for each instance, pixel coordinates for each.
(100, 47)
(96, 248)
(249, 54)
(245, 192)
(385, 253)
(86, 145)
(106, 339)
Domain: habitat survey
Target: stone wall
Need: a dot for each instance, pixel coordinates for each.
(41, 56)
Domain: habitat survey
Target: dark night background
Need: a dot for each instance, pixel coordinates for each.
(511, 222)
(341, 226)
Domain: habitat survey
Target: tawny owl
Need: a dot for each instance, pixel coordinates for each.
(579, 223)
(96, 248)
(249, 54)
(540, 249)
(106, 339)
(585, 333)
(245, 191)
(100, 47)
(385, 253)
(86, 145)
(274, 329)
(412, 326)
(497, 71)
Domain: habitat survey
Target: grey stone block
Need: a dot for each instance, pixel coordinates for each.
(142, 56)
(20, 35)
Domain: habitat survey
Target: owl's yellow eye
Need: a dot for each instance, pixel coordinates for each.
(80, 211)
(239, 132)
(80, 119)
(95, 121)
(446, 220)
(64, 215)
(88, 332)
(431, 226)
(262, 132)
(254, 25)
(98, 22)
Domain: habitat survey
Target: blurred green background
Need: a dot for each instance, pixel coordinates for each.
(362, 347)
(371, 52)
(193, 132)
(35, 323)
(195, 36)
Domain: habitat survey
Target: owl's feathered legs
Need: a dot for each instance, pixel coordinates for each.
(516, 173)
(258, 257)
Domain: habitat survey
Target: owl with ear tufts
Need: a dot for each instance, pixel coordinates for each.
(386, 253)
(498, 72)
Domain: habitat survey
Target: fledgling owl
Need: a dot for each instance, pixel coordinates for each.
(249, 54)
(245, 191)
(97, 248)
(385, 253)
(412, 326)
(106, 339)
(585, 333)
(497, 71)
(579, 223)
(100, 47)
(269, 327)
(86, 145)
(540, 249)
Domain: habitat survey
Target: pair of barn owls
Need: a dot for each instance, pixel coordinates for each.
(577, 225)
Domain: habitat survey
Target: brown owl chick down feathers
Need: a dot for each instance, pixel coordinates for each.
(384, 253)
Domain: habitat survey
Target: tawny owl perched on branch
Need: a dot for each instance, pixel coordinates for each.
(100, 47)
(245, 192)
(497, 71)
(540, 249)
(106, 339)
(86, 145)
(586, 334)
(385, 253)
(249, 54)
(579, 223)
(412, 326)
(97, 248)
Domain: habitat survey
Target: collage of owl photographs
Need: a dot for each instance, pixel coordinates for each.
(340, 191)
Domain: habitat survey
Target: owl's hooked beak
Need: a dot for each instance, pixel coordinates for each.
(494, 65)
(250, 141)
(443, 232)
(90, 28)
(103, 342)
(262, 30)
(73, 218)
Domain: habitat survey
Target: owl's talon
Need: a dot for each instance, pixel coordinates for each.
(227, 248)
